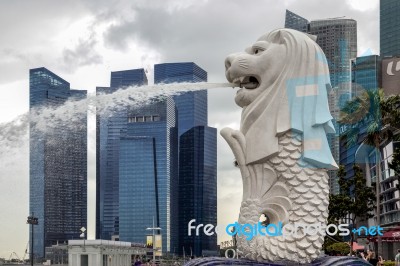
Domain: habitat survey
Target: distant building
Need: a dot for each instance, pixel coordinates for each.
(148, 173)
(58, 163)
(389, 28)
(109, 125)
(390, 195)
(197, 188)
(192, 106)
(138, 161)
(338, 39)
(296, 22)
(366, 75)
(197, 157)
(391, 75)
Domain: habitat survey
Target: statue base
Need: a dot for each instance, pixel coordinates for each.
(322, 261)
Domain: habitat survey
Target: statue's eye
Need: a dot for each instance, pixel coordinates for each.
(257, 50)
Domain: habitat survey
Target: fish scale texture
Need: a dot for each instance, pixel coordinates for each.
(299, 194)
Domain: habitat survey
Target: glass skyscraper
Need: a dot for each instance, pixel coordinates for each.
(296, 22)
(389, 28)
(197, 156)
(58, 162)
(365, 75)
(138, 161)
(110, 123)
(148, 173)
(197, 188)
(192, 106)
(337, 37)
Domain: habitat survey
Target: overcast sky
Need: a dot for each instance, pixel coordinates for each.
(82, 41)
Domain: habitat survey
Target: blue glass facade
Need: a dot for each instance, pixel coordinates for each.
(58, 164)
(197, 187)
(296, 22)
(148, 173)
(365, 75)
(197, 156)
(192, 106)
(389, 27)
(138, 164)
(109, 127)
(126, 78)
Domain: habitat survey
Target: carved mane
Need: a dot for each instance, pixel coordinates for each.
(297, 100)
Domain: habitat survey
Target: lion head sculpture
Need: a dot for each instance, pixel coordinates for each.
(284, 78)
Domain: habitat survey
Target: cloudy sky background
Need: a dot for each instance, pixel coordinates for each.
(82, 41)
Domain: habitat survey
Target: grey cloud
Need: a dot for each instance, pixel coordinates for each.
(214, 29)
(83, 54)
(204, 35)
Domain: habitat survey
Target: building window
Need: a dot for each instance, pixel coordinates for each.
(139, 119)
(147, 118)
(156, 118)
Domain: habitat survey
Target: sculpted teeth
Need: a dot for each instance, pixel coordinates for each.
(239, 80)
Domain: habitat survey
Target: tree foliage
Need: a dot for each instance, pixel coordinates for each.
(372, 111)
(339, 248)
(355, 198)
(379, 117)
(354, 203)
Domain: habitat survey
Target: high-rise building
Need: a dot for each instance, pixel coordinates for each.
(148, 176)
(110, 123)
(58, 162)
(365, 75)
(192, 106)
(197, 188)
(197, 157)
(391, 75)
(137, 152)
(389, 28)
(338, 39)
(296, 22)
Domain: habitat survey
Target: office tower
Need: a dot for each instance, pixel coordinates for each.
(337, 37)
(196, 141)
(296, 22)
(110, 123)
(148, 173)
(389, 27)
(198, 188)
(58, 162)
(126, 78)
(192, 106)
(390, 45)
(391, 75)
(365, 75)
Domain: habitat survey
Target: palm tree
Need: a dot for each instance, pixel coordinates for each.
(380, 118)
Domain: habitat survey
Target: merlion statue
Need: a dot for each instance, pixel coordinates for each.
(282, 149)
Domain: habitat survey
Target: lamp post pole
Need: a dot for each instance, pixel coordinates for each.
(154, 246)
(32, 220)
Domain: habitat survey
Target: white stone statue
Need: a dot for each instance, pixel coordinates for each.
(281, 148)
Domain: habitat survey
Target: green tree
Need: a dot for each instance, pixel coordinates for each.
(339, 248)
(355, 201)
(380, 117)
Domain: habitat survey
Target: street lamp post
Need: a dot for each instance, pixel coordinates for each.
(154, 244)
(32, 220)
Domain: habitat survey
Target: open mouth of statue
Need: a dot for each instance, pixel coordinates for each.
(248, 82)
